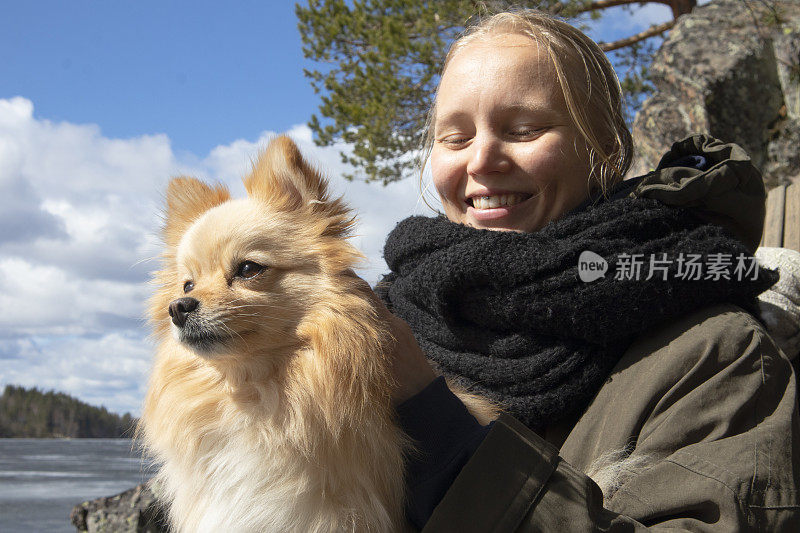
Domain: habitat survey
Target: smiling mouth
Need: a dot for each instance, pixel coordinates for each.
(500, 200)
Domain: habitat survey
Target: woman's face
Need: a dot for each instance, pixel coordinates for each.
(505, 155)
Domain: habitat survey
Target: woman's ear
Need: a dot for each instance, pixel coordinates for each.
(187, 199)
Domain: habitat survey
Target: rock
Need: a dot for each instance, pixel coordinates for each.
(730, 69)
(134, 511)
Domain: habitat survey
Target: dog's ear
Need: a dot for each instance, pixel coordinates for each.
(284, 180)
(187, 199)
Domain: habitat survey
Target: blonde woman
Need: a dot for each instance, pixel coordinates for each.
(613, 320)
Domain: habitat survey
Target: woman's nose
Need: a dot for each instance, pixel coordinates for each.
(487, 156)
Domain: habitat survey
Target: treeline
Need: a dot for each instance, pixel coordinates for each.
(36, 414)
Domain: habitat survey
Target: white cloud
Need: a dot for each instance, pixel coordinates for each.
(108, 370)
(47, 300)
(80, 232)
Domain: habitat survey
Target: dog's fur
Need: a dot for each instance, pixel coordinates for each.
(270, 409)
(612, 470)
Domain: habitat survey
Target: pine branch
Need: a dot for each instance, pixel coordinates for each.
(652, 31)
(603, 4)
(679, 7)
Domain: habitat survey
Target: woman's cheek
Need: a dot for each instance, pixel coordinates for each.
(445, 175)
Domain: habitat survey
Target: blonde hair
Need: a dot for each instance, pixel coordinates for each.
(594, 101)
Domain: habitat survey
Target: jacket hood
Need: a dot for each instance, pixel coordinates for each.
(726, 190)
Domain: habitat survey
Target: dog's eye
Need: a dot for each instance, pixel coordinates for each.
(188, 286)
(249, 269)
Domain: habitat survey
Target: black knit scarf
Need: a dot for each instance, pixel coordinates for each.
(506, 315)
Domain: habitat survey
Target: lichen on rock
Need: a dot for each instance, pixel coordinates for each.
(730, 69)
(134, 511)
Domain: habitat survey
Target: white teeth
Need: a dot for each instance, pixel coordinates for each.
(491, 202)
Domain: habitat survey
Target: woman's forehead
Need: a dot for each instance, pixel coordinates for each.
(506, 70)
(525, 50)
(515, 57)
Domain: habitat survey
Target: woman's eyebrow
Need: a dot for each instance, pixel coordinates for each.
(528, 108)
(452, 117)
(538, 111)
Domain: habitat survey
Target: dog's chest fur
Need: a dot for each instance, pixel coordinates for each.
(244, 480)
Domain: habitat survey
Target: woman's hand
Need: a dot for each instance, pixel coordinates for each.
(408, 365)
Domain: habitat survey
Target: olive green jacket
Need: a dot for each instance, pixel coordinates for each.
(696, 428)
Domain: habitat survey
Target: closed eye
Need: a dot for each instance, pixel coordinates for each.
(526, 132)
(454, 140)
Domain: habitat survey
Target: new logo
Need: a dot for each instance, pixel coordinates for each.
(591, 266)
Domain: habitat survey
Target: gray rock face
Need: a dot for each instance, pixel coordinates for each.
(730, 69)
(134, 511)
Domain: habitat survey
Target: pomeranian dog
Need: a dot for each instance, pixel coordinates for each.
(269, 405)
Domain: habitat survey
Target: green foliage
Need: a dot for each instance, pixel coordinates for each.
(36, 414)
(378, 67)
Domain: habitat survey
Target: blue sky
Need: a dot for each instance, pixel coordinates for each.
(100, 104)
(202, 74)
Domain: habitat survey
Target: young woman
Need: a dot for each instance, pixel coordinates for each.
(644, 367)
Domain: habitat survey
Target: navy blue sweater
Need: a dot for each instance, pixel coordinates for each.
(446, 435)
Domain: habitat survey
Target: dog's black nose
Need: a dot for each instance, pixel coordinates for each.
(179, 309)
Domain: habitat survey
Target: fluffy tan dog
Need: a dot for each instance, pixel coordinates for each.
(269, 404)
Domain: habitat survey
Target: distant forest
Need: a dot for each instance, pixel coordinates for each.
(36, 414)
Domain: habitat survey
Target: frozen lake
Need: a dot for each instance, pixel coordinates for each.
(41, 480)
